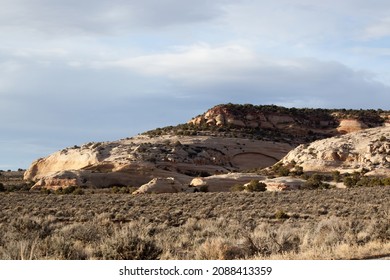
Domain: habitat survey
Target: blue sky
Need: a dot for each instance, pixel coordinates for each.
(78, 71)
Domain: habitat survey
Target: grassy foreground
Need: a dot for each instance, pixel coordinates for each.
(305, 224)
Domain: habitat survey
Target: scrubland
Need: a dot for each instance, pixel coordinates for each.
(304, 224)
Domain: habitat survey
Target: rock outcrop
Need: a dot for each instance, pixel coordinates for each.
(87, 178)
(223, 183)
(67, 159)
(283, 183)
(350, 125)
(366, 149)
(161, 185)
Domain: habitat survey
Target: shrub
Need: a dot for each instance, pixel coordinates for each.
(127, 245)
(352, 180)
(123, 189)
(2, 188)
(349, 182)
(256, 186)
(315, 182)
(252, 186)
(298, 170)
(78, 191)
(281, 170)
(45, 191)
(281, 215)
(386, 181)
(237, 188)
(70, 190)
(336, 176)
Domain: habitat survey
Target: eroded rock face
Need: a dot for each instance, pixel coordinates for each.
(66, 159)
(350, 125)
(367, 149)
(224, 115)
(283, 183)
(223, 183)
(161, 185)
(56, 182)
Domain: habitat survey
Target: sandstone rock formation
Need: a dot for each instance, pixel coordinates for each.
(283, 183)
(223, 183)
(86, 178)
(350, 125)
(135, 161)
(227, 138)
(366, 149)
(161, 185)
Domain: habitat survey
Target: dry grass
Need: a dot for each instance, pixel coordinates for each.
(319, 224)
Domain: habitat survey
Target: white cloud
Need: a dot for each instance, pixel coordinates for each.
(377, 30)
(193, 64)
(59, 18)
(201, 65)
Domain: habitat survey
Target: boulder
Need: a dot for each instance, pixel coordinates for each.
(350, 125)
(283, 183)
(86, 178)
(161, 185)
(224, 182)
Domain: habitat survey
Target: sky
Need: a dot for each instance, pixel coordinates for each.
(75, 71)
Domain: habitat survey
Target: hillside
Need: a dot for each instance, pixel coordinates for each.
(225, 139)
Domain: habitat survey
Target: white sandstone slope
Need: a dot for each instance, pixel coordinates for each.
(66, 159)
(366, 149)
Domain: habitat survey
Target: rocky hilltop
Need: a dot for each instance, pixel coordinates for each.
(289, 124)
(226, 139)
